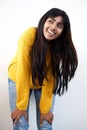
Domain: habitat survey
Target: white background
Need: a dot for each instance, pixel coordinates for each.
(70, 112)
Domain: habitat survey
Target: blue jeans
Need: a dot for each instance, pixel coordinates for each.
(22, 124)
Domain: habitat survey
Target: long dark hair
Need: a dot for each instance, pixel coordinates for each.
(63, 54)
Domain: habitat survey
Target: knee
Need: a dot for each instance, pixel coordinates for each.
(22, 123)
(45, 126)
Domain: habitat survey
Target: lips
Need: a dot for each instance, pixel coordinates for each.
(51, 32)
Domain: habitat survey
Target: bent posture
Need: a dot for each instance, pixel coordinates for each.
(45, 62)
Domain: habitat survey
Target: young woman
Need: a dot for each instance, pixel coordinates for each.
(45, 62)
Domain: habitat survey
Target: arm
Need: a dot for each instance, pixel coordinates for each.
(47, 94)
(23, 68)
(46, 100)
(23, 74)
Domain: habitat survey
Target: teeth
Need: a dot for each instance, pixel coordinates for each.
(51, 32)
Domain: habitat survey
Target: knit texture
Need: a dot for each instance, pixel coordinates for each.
(19, 71)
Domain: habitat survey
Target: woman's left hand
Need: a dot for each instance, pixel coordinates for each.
(48, 117)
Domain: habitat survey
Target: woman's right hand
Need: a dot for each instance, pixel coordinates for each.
(17, 114)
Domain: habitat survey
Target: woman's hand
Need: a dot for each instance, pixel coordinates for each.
(16, 115)
(48, 117)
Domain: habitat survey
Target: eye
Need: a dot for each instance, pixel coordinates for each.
(50, 21)
(60, 25)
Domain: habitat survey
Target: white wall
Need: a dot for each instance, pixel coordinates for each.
(16, 16)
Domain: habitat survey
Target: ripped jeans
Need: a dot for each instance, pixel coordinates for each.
(22, 124)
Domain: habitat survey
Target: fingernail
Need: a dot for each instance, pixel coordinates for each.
(40, 125)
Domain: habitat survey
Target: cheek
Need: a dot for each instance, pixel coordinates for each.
(60, 32)
(43, 30)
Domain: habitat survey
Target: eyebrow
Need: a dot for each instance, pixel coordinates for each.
(52, 19)
(55, 20)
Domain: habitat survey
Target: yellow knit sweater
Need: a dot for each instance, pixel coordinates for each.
(19, 71)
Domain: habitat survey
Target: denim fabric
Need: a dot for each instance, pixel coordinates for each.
(22, 123)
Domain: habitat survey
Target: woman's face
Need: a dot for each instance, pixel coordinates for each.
(53, 28)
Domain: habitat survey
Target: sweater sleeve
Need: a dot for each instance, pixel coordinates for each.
(23, 68)
(47, 94)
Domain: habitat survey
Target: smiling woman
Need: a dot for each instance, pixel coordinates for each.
(46, 60)
(53, 28)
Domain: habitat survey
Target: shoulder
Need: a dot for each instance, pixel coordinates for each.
(30, 32)
(29, 35)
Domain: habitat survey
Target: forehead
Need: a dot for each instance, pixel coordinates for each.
(57, 19)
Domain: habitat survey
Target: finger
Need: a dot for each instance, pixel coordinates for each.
(26, 117)
(50, 120)
(13, 117)
(41, 121)
(16, 120)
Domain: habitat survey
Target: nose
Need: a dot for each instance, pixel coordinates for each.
(53, 27)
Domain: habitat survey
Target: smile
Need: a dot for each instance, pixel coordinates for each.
(52, 33)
